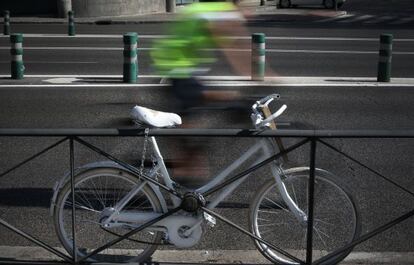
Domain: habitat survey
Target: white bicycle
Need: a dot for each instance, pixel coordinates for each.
(112, 200)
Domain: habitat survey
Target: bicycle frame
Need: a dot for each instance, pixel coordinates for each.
(264, 148)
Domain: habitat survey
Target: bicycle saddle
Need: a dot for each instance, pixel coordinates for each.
(141, 115)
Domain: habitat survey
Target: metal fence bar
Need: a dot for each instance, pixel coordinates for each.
(35, 240)
(129, 167)
(72, 187)
(132, 232)
(212, 133)
(314, 136)
(231, 180)
(366, 167)
(255, 167)
(33, 157)
(241, 229)
(33, 262)
(311, 189)
(365, 237)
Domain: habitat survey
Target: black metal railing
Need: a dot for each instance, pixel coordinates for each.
(314, 137)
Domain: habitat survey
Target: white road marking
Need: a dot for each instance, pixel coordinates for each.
(58, 48)
(322, 51)
(331, 19)
(378, 20)
(233, 37)
(62, 80)
(355, 19)
(51, 62)
(231, 50)
(403, 20)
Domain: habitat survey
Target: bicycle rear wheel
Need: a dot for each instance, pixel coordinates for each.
(336, 221)
(95, 191)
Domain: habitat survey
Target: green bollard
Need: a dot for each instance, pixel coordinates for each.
(17, 67)
(385, 58)
(71, 28)
(6, 25)
(130, 57)
(258, 56)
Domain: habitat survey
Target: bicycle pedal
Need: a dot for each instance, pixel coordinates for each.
(211, 221)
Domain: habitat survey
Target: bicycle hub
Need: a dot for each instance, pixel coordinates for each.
(192, 201)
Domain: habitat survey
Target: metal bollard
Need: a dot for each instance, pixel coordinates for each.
(71, 19)
(170, 6)
(130, 57)
(258, 56)
(385, 58)
(6, 25)
(17, 67)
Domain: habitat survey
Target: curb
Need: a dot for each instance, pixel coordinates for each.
(19, 253)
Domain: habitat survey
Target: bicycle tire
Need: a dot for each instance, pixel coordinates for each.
(95, 190)
(268, 210)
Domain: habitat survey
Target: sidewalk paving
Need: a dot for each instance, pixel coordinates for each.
(267, 13)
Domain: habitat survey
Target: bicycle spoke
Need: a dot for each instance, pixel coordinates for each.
(275, 203)
(84, 198)
(331, 203)
(320, 221)
(294, 195)
(321, 232)
(78, 206)
(274, 224)
(95, 192)
(320, 237)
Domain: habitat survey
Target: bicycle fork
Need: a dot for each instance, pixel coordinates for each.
(277, 172)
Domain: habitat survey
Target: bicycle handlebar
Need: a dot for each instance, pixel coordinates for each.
(273, 116)
(267, 98)
(257, 116)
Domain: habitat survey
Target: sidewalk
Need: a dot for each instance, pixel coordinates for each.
(267, 13)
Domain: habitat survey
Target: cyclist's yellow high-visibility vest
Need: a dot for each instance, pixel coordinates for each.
(180, 55)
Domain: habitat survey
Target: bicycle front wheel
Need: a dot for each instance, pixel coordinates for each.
(98, 190)
(336, 221)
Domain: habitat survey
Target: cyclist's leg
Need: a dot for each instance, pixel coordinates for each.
(190, 166)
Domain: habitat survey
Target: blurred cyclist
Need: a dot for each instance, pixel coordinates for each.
(185, 54)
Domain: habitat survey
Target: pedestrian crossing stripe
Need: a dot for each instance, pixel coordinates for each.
(379, 19)
(334, 18)
(367, 19)
(355, 19)
(402, 21)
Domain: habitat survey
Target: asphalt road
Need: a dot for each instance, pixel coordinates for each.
(328, 52)
(26, 192)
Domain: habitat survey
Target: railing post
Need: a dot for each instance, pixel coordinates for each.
(258, 56)
(6, 26)
(385, 58)
(311, 188)
(130, 57)
(17, 66)
(71, 23)
(72, 187)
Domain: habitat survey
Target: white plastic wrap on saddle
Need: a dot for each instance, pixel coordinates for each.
(154, 118)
